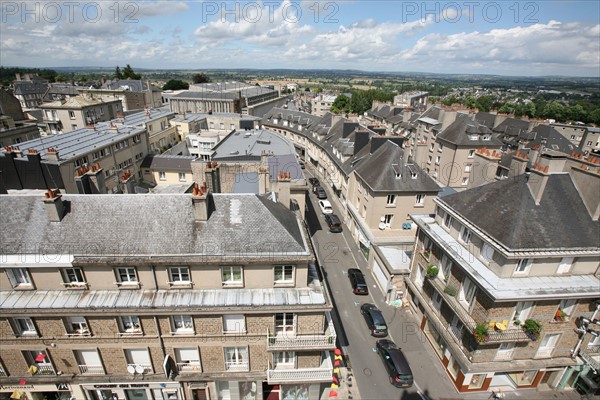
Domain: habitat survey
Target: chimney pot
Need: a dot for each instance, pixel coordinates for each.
(54, 205)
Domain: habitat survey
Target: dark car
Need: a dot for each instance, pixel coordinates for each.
(374, 319)
(314, 182)
(302, 166)
(357, 280)
(334, 223)
(395, 363)
(320, 192)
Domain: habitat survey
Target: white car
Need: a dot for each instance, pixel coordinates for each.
(325, 207)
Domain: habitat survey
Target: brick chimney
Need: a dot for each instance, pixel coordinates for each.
(54, 205)
(283, 188)
(212, 176)
(518, 165)
(586, 178)
(96, 174)
(128, 182)
(201, 203)
(17, 152)
(52, 154)
(82, 180)
(537, 182)
(263, 173)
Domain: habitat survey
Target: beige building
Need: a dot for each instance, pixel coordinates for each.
(218, 300)
(168, 169)
(78, 112)
(501, 297)
(12, 133)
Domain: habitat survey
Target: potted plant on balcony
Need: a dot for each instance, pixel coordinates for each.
(432, 271)
(451, 290)
(532, 328)
(426, 253)
(481, 333)
(560, 315)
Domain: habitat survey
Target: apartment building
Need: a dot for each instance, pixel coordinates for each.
(133, 94)
(77, 112)
(12, 133)
(55, 161)
(185, 296)
(503, 273)
(168, 169)
(156, 121)
(321, 104)
(414, 99)
(29, 89)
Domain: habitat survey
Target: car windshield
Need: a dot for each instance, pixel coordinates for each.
(380, 327)
(405, 377)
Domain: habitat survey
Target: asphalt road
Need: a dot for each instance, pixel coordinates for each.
(337, 253)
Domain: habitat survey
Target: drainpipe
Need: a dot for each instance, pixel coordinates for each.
(157, 325)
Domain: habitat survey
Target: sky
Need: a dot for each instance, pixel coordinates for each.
(518, 38)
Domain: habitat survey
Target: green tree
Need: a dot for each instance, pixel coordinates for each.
(341, 104)
(128, 73)
(554, 110)
(118, 73)
(176, 84)
(484, 103)
(200, 78)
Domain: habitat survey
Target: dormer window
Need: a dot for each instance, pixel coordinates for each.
(474, 137)
(486, 137)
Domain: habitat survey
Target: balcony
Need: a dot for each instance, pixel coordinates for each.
(192, 366)
(508, 335)
(291, 341)
(320, 374)
(91, 369)
(45, 369)
(147, 368)
(237, 366)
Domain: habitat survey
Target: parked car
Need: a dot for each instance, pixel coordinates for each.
(357, 280)
(302, 166)
(334, 223)
(395, 363)
(321, 193)
(374, 319)
(325, 207)
(314, 182)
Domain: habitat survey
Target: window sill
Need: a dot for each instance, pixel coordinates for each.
(23, 286)
(283, 284)
(233, 285)
(183, 333)
(181, 285)
(419, 205)
(75, 285)
(128, 285)
(390, 206)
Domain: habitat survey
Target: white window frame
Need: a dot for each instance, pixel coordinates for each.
(568, 307)
(19, 277)
(467, 292)
(130, 325)
(468, 167)
(391, 200)
(228, 275)
(236, 358)
(471, 153)
(523, 266)
(284, 359)
(78, 326)
(286, 273)
(387, 220)
(132, 279)
(487, 252)
(446, 268)
(548, 344)
(182, 177)
(285, 323)
(420, 199)
(71, 114)
(465, 235)
(448, 220)
(182, 324)
(521, 311)
(177, 273)
(24, 326)
(73, 276)
(237, 321)
(162, 175)
(465, 180)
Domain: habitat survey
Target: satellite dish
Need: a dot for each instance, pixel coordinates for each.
(139, 369)
(131, 369)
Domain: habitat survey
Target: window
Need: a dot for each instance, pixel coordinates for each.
(73, 127)
(565, 265)
(471, 153)
(130, 324)
(486, 137)
(18, 277)
(187, 359)
(182, 177)
(448, 220)
(89, 362)
(468, 167)
(420, 199)
(441, 147)
(101, 110)
(136, 139)
(467, 293)
(139, 358)
(40, 359)
(231, 126)
(465, 235)
(594, 344)
(222, 125)
(523, 266)
(446, 268)
(284, 274)
(126, 276)
(429, 159)
(477, 381)
(236, 358)
(179, 275)
(432, 146)
(183, 324)
(73, 276)
(465, 180)
(391, 199)
(232, 275)
(505, 351)
(547, 345)
(487, 252)
(24, 327)
(522, 311)
(285, 323)
(162, 175)
(234, 323)
(77, 326)
(387, 220)
(284, 359)
(437, 160)
(567, 306)
(72, 114)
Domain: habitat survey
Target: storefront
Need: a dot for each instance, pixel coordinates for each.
(134, 391)
(58, 391)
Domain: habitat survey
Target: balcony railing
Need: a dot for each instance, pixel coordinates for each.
(91, 369)
(291, 341)
(235, 366)
(45, 369)
(189, 367)
(589, 359)
(508, 335)
(322, 373)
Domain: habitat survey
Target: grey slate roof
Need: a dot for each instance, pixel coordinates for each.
(379, 172)
(512, 127)
(29, 87)
(150, 225)
(168, 163)
(459, 133)
(506, 211)
(486, 119)
(250, 145)
(132, 85)
(553, 139)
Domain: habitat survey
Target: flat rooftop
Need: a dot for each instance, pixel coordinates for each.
(252, 143)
